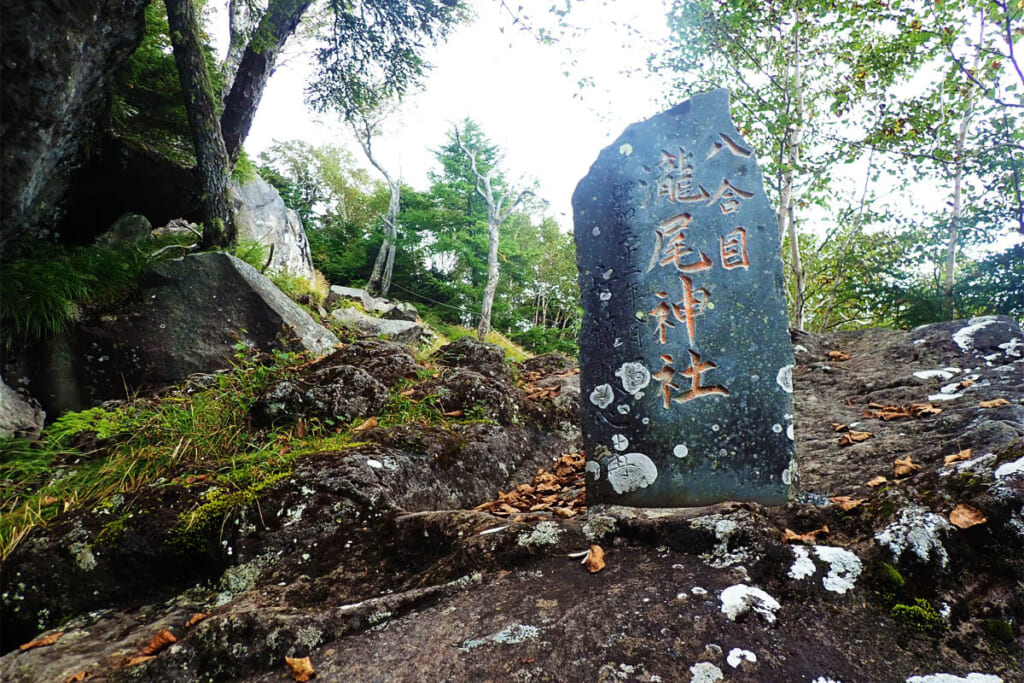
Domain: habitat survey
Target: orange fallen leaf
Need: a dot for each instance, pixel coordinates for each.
(48, 500)
(595, 559)
(966, 383)
(453, 413)
(837, 356)
(965, 516)
(839, 427)
(300, 667)
(901, 468)
(42, 642)
(965, 454)
(852, 437)
(809, 538)
(77, 677)
(159, 642)
(994, 403)
(925, 409)
(408, 392)
(877, 481)
(195, 619)
(370, 423)
(139, 659)
(300, 429)
(846, 503)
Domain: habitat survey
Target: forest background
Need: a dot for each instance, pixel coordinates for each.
(890, 133)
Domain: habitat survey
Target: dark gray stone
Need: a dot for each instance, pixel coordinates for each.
(686, 362)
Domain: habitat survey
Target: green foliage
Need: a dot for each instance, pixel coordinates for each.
(920, 616)
(252, 252)
(998, 630)
(44, 285)
(147, 106)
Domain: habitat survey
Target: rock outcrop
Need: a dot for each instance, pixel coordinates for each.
(19, 417)
(187, 316)
(261, 217)
(903, 558)
(58, 60)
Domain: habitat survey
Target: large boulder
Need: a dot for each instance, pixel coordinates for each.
(262, 217)
(188, 316)
(58, 60)
(401, 331)
(18, 416)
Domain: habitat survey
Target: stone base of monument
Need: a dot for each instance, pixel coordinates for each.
(685, 357)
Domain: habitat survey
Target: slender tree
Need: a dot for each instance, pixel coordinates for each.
(366, 125)
(499, 208)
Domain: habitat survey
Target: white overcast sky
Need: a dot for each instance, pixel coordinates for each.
(515, 88)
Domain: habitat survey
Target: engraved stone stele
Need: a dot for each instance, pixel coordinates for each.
(685, 357)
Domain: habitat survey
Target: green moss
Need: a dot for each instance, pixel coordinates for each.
(998, 630)
(920, 616)
(890, 578)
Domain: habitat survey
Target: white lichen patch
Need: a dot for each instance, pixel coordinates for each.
(1009, 469)
(950, 678)
(918, 531)
(789, 475)
(1013, 348)
(81, 553)
(964, 337)
(619, 442)
(598, 526)
(631, 471)
(826, 679)
(791, 433)
(784, 378)
(623, 409)
(803, 566)
(635, 377)
(680, 451)
(375, 464)
(721, 556)
(740, 599)
(737, 656)
(602, 396)
(705, 672)
(545, 533)
(943, 374)
(594, 469)
(510, 635)
(843, 568)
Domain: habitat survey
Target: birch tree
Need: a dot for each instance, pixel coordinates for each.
(366, 126)
(499, 208)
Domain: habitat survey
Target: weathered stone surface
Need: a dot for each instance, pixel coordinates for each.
(350, 561)
(130, 227)
(58, 60)
(483, 357)
(403, 311)
(186, 317)
(387, 362)
(19, 417)
(401, 331)
(262, 217)
(339, 392)
(685, 357)
(369, 303)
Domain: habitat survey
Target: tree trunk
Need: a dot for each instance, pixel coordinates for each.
(212, 161)
(240, 26)
(787, 200)
(949, 270)
(278, 24)
(493, 225)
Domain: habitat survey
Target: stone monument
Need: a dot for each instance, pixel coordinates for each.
(686, 362)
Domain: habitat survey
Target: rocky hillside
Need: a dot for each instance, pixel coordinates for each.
(453, 544)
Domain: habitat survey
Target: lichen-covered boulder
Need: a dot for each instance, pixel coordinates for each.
(480, 357)
(262, 217)
(19, 417)
(338, 392)
(401, 331)
(387, 362)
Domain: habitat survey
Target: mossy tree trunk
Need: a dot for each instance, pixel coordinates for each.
(212, 161)
(258, 62)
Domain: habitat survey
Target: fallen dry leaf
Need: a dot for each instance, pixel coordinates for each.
(965, 516)
(370, 423)
(966, 383)
(48, 500)
(77, 677)
(851, 437)
(300, 429)
(139, 659)
(893, 412)
(809, 538)
(877, 481)
(994, 403)
(42, 642)
(925, 409)
(408, 392)
(195, 619)
(838, 356)
(595, 559)
(846, 503)
(300, 667)
(901, 468)
(453, 413)
(159, 642)
(839, 427)
(965, 454)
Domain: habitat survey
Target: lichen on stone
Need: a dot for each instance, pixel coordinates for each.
(918, 531)
(545, 533)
